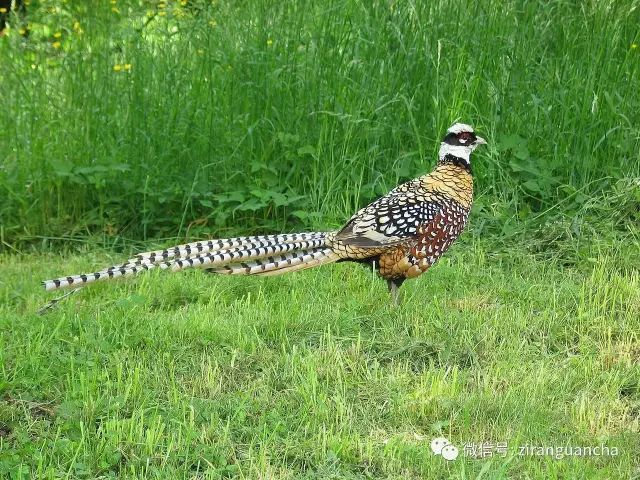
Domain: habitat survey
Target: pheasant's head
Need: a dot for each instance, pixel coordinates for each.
(459, 142)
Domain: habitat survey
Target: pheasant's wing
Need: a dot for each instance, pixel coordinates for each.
(391, 219)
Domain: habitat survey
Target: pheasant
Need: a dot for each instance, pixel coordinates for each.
(401, 234)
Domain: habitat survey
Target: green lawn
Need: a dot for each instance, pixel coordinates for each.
(315, 375)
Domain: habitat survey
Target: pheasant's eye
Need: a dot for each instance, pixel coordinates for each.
(464, 137)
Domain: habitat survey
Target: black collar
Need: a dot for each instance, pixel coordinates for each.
(457, 161)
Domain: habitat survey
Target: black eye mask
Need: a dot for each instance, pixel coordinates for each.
(460, 139)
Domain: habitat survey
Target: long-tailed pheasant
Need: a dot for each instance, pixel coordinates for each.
(401, 234)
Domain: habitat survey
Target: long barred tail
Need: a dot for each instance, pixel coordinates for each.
(266, 255)
(280, 264)
(198, 248)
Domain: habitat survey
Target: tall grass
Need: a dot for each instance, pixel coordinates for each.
(250, 116)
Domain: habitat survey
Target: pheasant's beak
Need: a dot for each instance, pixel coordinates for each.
(480, 141)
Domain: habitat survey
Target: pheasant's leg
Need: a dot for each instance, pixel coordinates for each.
(394, 289)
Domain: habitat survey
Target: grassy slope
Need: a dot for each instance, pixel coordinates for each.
(313, 374)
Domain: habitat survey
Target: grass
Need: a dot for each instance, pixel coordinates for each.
(314, 375)
(238, 116)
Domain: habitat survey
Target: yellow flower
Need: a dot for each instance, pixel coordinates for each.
(113, 2)
(634, 46)
(162, 5)
(22, 31)
(162, 14)
(117, 67)
(200, 51)
(183, 3)
(57, 35)
(3, 10)
(56, 44)
(127, 66)
(269, 42)
(115, 10)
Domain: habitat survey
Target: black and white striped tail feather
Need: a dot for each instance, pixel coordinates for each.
(200, 248)
(320, 258)
(243, 253)
(226, 252)
(102, 275)
(276, 265)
